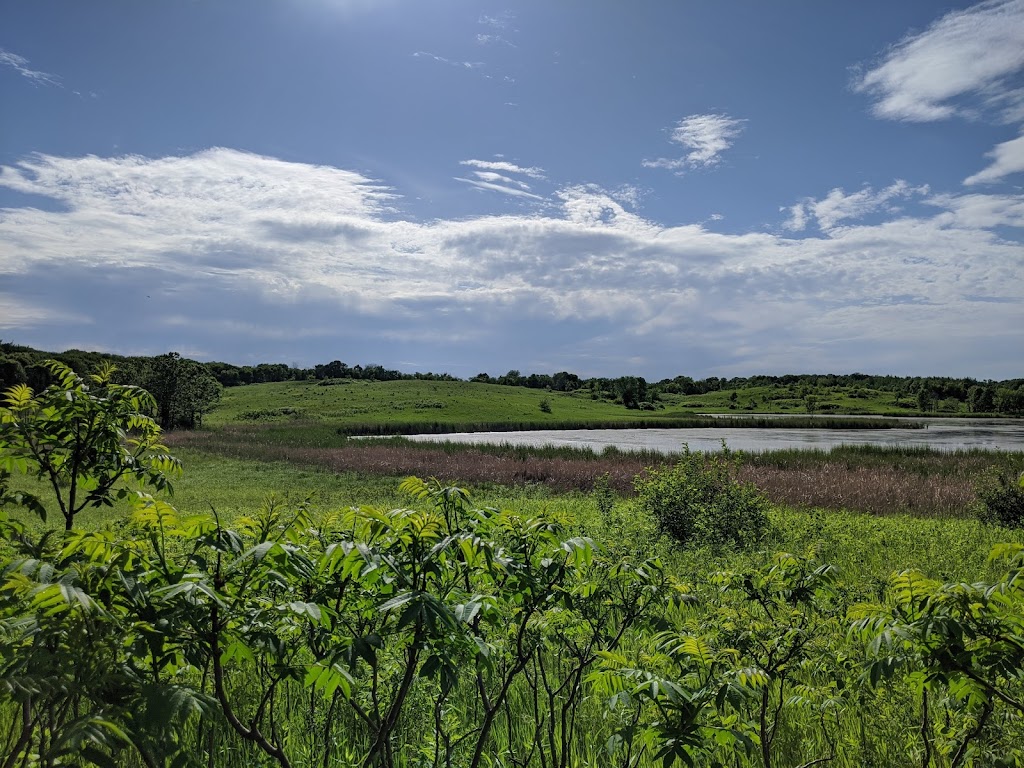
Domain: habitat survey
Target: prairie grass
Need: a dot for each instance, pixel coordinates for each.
(879, 481)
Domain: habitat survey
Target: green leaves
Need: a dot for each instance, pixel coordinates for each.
(699, 501)
(85, 439)
(963, 641)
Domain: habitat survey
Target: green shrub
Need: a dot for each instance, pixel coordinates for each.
(1001, 499)
(698, 501)
(604, 497)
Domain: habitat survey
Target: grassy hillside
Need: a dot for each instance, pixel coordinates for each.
(347, 401)
(350, 403)
(790, 399)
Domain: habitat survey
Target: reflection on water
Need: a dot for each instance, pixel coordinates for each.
(940, 434)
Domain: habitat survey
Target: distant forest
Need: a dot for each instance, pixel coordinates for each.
(195, 386)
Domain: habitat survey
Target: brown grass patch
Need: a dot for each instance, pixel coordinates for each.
(875, 489)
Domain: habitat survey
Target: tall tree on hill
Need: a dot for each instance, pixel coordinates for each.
(184, 390)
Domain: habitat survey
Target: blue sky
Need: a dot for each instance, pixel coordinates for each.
(608, 188)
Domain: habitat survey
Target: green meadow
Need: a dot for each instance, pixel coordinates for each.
(298, 601)
(396, 406)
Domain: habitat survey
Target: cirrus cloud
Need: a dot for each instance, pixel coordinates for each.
(242, 255)
(20, 65)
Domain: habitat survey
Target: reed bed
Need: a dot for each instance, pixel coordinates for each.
(654, 421)
(878, 481)
(876, 490)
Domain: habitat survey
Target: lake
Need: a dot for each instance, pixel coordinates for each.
(940, 434)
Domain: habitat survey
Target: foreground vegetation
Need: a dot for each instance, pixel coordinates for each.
(692, 623)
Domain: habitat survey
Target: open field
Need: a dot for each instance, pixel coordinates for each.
(789, 399)
(391, 407)
(868, 545)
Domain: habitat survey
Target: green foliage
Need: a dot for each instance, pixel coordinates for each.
(1001, 499)
(193, 628)
(960, 648)
(84, 439)
(698, 501)
(184, 390)
(723, 681)
(433, 632)
(604, 497)
(811, 403)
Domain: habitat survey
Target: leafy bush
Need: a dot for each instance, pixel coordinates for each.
(699, 501)
(265, 414)
(1001, 500)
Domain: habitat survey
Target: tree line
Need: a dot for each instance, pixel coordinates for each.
(184, 390)
(192, 388)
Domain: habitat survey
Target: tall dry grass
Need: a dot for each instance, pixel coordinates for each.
(826, 482)
(878, 490)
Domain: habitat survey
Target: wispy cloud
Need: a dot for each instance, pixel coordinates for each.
(706, 136)
(504, 166)
(449, 62)
(244, 251)
(494, 186)
(497, 21)
(967, 53)
(1007, 158)
(494, 175)
(838, 206)
(497, 178)
(494, 40)
(20, 65)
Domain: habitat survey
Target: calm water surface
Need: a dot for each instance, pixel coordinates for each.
(940, 434)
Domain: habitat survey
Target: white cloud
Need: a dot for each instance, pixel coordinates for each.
(258, 254)
(497, 21)
(20, 65)
(838, 206)
(706, 136)
(504, 167)
(797, 220)
(493, 176)
(497, 178)
(971, 52)
(449, 62)
(1007, 158)
(592, 206)
(514, 191)
(979, 211)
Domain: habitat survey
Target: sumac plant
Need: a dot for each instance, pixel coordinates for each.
(960, 649)
(363, 636)
(85, 438)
